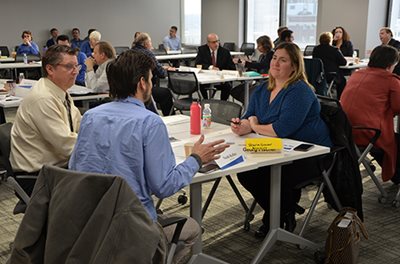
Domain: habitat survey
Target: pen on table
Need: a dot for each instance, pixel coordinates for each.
(236, 123)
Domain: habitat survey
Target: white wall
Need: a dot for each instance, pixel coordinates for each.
(117, 20)
(223, 17)
(361, 19)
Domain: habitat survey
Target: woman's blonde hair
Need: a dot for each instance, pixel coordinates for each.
(297, 61)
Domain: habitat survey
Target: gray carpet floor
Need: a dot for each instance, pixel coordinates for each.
(225, 238)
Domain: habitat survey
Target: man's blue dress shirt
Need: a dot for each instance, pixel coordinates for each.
(172, 43)
(294, 113)
(85, 48)
(123, 138)
(76, 43)
(33, 49)
(80, 79)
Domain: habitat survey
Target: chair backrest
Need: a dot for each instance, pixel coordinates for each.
(315, 74)
(182, 82)
(346, 177)
(31, 57)
(248, 48)
(161, 46)
(110, 204)
(309, 50)
(5, 146)
(229, 46)
(223, 111)
(120, 49)
(159, 51)
(4, 51)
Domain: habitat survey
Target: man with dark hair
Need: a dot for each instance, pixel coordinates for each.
(46, 125)
(103, 53)
(76, 42)
(279, 31)
(172, 41)
(286, 36)
(124, 138)
(80, 79)
(53, 40)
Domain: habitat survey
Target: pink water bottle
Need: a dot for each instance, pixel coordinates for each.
(195, 118)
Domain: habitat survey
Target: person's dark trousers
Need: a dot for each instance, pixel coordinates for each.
(257, 182)
(225, 90)
(163, 97)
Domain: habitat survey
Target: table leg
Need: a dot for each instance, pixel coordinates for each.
(195, 212)
(276, 233)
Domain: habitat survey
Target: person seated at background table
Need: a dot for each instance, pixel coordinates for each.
(124, 138)
(332, 59)
(372, 99)
(279, 31)
(212, 56)
(341, 40)
(80, 79)
(88, 46)
(103, 54)
(76, 42)
(88, 34)
(162, 96)
(47, 121)
(285, 106)
(28, 46)
(266, 49)
(53, 40)
(172, 41)
(286, 36)
(386, 37)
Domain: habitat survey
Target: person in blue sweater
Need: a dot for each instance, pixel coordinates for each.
(284, 107)
(88, 46)
(80, 79)
(28, 46)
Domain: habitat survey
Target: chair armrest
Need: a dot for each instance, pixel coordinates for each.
(179, 221)
(375, 137)
(18, 189)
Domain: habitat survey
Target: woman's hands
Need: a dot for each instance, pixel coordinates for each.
(240, 127)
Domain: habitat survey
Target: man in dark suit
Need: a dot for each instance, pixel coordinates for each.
(213, 57)
(386, 37)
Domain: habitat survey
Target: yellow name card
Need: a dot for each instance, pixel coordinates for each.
(263, 145)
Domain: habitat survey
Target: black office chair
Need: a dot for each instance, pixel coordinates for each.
(120, 49)
(98, 205)
(182, 83)
(362, 152)
(316, 76)
(13, 178)
(309, 50)
(223, 112)
(229, 46)
(159, 51)
(248, 49)
(4, 51)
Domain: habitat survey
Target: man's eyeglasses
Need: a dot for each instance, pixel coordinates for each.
(214, 41)
(70, 67)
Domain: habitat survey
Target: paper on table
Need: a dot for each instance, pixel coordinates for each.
(231, 156)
